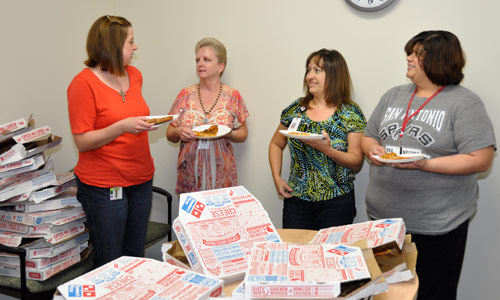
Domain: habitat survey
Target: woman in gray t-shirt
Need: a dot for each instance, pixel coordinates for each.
(446, 124)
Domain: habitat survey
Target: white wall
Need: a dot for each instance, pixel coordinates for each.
(43, 47)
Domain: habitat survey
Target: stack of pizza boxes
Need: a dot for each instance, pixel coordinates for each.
(217, 230)
(38, 208)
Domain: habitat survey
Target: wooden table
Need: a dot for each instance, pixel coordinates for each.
(397, 291)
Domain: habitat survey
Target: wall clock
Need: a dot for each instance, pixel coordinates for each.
(369, 5)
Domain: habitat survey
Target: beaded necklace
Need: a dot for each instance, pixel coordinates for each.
(213, 105)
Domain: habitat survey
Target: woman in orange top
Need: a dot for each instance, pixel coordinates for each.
(115, 168)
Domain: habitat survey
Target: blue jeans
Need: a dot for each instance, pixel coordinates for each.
(116, 227)
(302, 214)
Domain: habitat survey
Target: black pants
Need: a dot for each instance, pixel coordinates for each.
(302, 214)
(439, 263)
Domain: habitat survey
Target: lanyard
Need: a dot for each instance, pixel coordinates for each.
(407, 118)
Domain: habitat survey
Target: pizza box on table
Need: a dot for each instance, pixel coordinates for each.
(396, 265)
(379, 234)
(310, 271)
(141, 278)
(217, 230)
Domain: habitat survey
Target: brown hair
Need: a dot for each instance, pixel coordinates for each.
(218, 46)
(105, 44)
(338, 84)
(440, 55)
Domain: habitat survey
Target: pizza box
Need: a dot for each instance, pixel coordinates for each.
(141, 278)
(311, 271)
(174, 261)
(217, 229)
(22, 166)
(40, 263)
(398, 265)
(28, 138)
(22, 150)
(64, 182)
(12, 128)
(174, 249)
(64, 200)
(9, 238)
(29, 183)
(37, 218)
(43, 249)
(41, 274)
(383, 233)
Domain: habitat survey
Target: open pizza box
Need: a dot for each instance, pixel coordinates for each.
(217, 229)
(358, 271)
(398, 265)
(392, 247)
(16, 127)
(28, 144)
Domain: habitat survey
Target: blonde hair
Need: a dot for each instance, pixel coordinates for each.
(218, 46)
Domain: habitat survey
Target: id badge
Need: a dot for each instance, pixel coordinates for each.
(295, 124)
(203, 144)
(115, 193)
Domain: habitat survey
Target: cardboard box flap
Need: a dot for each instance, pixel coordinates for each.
(362, 287)
(40, 146)
(33, 135)
(393, 261)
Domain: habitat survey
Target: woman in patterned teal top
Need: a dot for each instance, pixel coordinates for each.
(320, 188)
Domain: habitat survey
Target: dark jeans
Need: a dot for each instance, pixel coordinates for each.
(302, 214)
(116, 227)
(439, 263)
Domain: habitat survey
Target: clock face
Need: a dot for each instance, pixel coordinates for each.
(369, 5)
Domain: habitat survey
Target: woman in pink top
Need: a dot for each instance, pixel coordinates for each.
(207, 164)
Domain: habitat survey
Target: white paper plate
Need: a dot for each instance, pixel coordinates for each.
(162, 116)
(410, 158)
(309, 136)
(223, 130)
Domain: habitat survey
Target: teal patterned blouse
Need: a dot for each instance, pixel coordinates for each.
(313, 175)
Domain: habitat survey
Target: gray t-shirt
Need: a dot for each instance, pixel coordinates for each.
(455, 121)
